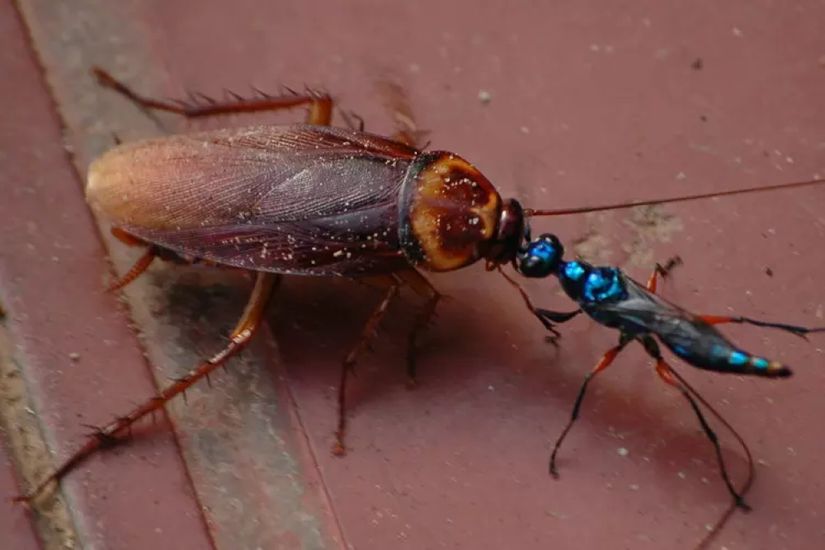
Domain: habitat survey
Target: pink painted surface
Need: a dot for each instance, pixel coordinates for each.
(589, 103)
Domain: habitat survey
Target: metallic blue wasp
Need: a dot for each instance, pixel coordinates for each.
(615, 300)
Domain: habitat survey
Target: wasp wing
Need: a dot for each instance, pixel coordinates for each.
(288, 199)
(684, 333)
(640, 311)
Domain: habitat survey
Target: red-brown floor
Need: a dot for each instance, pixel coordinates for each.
(560, 104)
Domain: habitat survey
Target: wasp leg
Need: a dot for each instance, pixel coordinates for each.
(548, 317)
(104, 436)
(421, 286)
(367, 333)
(662, 271)
(665, 372)
(603, 363)
(320, 105)
(545, 316)
(793, 329)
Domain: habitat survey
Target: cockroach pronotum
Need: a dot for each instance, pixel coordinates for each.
(305, 199)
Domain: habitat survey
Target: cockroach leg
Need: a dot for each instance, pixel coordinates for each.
(367, 334)
(265, 284)
(320, 105)
(603, 363)
(397, 103)
(353, 120)
(421, 286)
(127, 238)
(141, 265)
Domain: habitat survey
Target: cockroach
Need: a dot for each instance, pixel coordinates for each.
(304, 199)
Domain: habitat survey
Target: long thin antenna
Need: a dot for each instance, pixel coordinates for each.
(684, 198)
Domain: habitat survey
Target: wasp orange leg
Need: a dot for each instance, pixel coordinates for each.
(665, 372)
(662, 271)
(793, 329)
(603, 363)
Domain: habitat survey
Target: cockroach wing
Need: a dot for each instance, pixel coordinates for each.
(287, 199)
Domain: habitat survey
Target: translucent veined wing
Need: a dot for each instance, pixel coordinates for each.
(685, 334)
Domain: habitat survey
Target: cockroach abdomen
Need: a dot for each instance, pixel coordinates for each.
(449, 212)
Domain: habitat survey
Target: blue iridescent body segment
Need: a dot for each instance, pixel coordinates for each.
(624, 304)
(592, 285)
(613, 299)
(573, 271)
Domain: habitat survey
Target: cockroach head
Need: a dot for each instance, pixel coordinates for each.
(509, 233)
(540, 257)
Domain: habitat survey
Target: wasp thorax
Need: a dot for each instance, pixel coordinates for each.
(449, 212)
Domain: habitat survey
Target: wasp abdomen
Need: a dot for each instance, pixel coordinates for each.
(713, 352)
